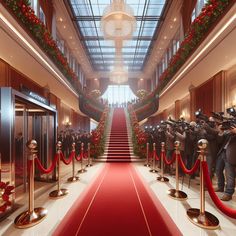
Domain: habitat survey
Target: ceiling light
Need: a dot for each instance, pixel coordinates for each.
(171, 26)
(95, 79)
(70, 37)
(64, 26)
(60, 19)
(165, 37)
(119, 74)
(118, 21)
(175, 19)
(141, 79)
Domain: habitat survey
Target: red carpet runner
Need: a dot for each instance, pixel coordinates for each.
(118, 149)
(117, 203)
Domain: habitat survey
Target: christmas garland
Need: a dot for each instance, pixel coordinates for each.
(139, 137)
(98, 136)
(199, 29)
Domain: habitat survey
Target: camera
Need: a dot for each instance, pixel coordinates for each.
(231, 111)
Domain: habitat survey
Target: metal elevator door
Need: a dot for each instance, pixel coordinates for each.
(32, 122)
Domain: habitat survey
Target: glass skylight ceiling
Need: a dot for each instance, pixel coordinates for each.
(88, 13)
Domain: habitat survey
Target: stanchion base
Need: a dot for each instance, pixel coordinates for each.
(82, 171)
(89, 165)
(153, 171)
(177, 194)
(58, 193)
(162, 179)
(206, 220)
(147, 165)
(73, 179)
(28, 219)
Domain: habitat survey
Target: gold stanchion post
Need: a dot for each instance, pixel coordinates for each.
(176, 193)
(60, 192)
(147, 153)
(200, 217)
(82, 170)
(34, 215)
(153, 169)
(89, 157)
(74, 178)
(162, 178)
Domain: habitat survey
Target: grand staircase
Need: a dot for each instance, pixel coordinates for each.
(119, 146)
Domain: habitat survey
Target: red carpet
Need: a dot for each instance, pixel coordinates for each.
(118, 149)
(117, 204)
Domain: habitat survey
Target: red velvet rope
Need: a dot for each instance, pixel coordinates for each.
(79, 157)
(50, 169)
(185, 170)
(29, 164)
(68, 161)
(150, 155)
(226, 210)
(155, 155)
(171, 161)
(85, 156)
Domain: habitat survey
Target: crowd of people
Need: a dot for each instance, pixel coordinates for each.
(221, 151)
(124, 104)
(69, 136)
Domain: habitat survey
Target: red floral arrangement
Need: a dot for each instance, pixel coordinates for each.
(5, 192)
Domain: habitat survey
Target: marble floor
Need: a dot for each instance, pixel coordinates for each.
(176, 209)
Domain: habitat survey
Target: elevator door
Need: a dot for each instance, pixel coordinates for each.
(33, 122)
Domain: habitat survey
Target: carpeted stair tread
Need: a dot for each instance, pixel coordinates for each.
(118, 146)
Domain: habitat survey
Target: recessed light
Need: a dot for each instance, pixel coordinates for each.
(175, 19)
(60, 19)
(64, 26)
(165, 37)
(141, 79)
(70, 37)
(95, 79)
(171, 26)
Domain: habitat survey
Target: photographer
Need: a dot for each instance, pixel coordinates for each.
(190, 140)
(213, 147)
(159, 137)
(226, 161)
(170, 138)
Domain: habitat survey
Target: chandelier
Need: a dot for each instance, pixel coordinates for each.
(118, 21)
(119, 74)
(118, 24)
